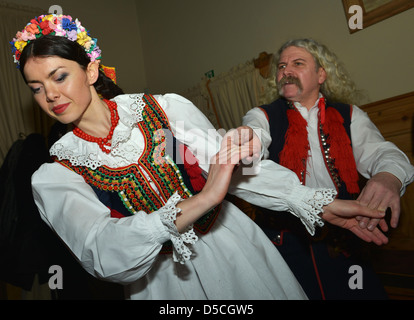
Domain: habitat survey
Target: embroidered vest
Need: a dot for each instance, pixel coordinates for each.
(276, 113)
(128, 190)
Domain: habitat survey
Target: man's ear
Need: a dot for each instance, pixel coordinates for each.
(322, 75)
(92, 72)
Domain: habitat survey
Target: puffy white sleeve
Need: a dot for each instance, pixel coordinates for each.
(373, 154)
(121, 250)
(191, 127)
(275, 187)
(256, 119)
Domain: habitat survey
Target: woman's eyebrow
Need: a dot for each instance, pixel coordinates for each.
(50, 75)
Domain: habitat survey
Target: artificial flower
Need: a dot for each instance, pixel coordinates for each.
(60, 32)
(57, 25)
(46, 27)
(72, 35)
(95, 55)
(20, 45)
(68, 24)
(32, 28)
(83, 38)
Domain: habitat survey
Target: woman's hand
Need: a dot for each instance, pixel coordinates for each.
(344, 213)
(220, 172)
(245, 135)
(234, 149)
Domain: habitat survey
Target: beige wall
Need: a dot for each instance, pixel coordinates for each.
(168, 45)
(182, 39)
(115, 25)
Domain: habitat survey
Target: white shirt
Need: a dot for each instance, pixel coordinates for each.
(371, 152)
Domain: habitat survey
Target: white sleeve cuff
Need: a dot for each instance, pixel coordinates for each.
(310, 204)
(168, 215)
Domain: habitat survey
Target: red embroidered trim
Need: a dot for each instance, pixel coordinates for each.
(192, 168)
(340, 150)
(296, 149)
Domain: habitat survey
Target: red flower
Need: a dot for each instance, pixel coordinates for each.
(45, 26)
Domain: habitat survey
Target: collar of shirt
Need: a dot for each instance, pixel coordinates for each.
(304, 111)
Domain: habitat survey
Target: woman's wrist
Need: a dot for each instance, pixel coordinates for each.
(192, 209)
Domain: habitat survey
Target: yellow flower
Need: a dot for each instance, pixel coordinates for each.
(49, 17)
(83, 38)
(20, 45)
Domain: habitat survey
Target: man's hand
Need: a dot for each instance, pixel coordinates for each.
(382, 191)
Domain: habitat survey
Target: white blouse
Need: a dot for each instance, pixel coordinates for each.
(127, 250)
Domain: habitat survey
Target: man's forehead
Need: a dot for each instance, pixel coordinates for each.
(294, 53)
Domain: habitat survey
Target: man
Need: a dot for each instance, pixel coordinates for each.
(315, 130)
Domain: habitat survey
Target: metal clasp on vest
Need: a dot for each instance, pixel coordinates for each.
(277, 240)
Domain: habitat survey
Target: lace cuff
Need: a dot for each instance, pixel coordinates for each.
(168, 214)
(308, 208)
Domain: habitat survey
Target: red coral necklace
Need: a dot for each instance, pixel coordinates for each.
(102, 142)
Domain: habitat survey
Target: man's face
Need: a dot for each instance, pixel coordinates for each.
(297, 77)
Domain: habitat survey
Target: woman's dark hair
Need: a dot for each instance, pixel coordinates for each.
(62, 47)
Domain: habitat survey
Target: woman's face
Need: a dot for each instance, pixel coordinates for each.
(60, 86)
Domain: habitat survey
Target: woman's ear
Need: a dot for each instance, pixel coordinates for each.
(92, 72)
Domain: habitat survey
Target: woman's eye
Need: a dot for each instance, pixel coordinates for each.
(62, 77)
(35, 90)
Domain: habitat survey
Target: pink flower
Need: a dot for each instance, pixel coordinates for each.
(95, 54)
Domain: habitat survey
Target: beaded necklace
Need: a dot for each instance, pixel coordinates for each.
(102, 142)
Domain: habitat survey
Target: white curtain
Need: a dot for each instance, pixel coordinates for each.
(19, 114)
(200, 97)
(231, 94)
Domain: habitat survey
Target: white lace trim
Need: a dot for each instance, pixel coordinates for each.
(124, 150)
(311, 206)
(168, 214)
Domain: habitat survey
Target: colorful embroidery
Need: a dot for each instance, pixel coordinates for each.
(132, 183)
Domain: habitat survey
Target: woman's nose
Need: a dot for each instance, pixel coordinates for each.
(51, 94)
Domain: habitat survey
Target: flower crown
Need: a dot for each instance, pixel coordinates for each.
(57, 25)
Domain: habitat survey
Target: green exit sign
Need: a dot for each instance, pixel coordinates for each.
(209, 74)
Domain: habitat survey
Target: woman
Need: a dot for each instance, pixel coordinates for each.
(125, 192)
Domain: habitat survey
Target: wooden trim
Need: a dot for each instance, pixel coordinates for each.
(387, 101)
(378, 14)
(394, 117)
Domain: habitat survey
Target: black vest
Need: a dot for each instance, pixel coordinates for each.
(276, 113)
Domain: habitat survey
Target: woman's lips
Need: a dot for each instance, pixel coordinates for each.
(60, 108)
